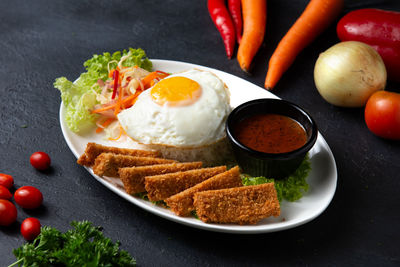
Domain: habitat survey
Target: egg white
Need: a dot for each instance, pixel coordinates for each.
(200, 123)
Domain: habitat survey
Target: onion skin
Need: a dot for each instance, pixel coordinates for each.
(377, 28)
(348, 73)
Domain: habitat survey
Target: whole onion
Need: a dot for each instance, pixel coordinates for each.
(348, 73)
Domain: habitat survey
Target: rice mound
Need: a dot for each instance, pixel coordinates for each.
(217, 153)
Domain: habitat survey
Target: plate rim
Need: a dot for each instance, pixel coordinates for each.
(192, 222)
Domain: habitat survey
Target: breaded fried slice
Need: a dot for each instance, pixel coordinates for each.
(93, 150)
(160, 187)
(107, 164)
(182, 203)
(243, 205)
(133, 177)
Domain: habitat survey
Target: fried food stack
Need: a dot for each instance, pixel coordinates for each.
(216, 194)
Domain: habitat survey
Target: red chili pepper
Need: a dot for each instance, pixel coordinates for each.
(115, 77)
(377, 28)
(165, 74)
(235, 8)
(223, 21)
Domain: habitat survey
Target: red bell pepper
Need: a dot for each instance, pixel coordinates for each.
(115, 77)
(377, 28)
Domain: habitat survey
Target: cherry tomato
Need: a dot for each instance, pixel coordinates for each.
(40, 160)
(382, 114)
(28, 197)
(6, 180)
(5, 193)
(8, 212)
(30, 228)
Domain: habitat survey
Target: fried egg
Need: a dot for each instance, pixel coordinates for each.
(187, 109)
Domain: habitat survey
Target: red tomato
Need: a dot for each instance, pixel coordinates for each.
(382, 114)
(6, 180)
(40, 160)
(5, 193)
(8, 212)
(30, 228)
(28, 197)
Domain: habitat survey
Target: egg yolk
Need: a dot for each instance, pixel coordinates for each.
(176, 91)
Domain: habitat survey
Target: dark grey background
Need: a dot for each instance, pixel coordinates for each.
(42, 40)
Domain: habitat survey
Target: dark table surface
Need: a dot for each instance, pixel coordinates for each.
(42, 40)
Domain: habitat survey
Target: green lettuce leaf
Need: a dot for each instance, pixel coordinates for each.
(290, 188)
(78, 103)
(80, 97)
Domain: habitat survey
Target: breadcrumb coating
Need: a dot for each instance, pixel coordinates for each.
(160, 187)
(242, 205)
(93, 150)
(182, 203)
(107, 164)
(133, 177)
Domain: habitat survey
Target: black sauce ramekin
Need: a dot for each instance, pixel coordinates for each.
(270, 165)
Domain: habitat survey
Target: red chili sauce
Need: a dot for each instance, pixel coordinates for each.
(270, 133)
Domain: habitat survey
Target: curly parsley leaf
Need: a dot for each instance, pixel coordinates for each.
(84, 245)
(290, 188)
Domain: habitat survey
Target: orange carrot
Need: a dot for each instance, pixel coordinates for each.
(131, 103)
(121, 131)
(123, 103)
(315, 19)
(104, 125)
(147, 81)
(126, 103)
(111, 73)
(112, 106)
(99, 110)
(119, 101)
(254, 19)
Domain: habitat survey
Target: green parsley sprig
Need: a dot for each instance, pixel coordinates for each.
(290, 188)
(84, 245)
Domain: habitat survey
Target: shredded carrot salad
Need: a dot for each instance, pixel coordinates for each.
(120, 92)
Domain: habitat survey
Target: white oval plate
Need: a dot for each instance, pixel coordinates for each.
(322, 178)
